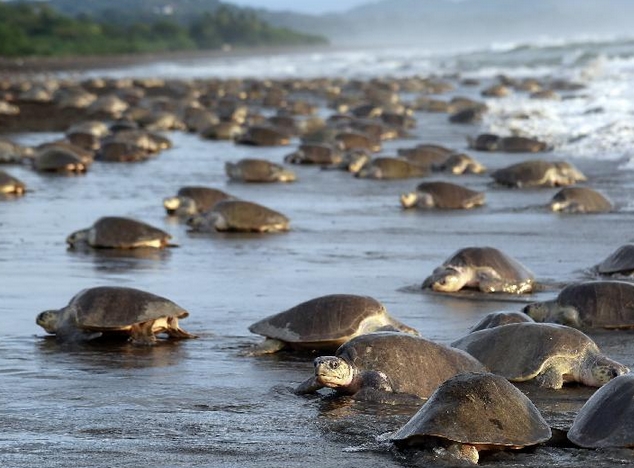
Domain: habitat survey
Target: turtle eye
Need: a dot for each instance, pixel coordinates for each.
(335, 365)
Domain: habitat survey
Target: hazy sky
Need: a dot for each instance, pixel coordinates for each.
(302, 6)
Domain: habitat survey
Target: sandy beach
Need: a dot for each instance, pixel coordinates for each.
(198, 402)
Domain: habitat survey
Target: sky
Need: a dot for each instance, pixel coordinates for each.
(302, 6)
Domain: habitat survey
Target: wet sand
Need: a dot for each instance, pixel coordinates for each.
(197, 402)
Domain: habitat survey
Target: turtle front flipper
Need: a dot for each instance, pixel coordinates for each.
(308, 386)
(142, 334)
(551, 377)
(175, 331)
(268, 346)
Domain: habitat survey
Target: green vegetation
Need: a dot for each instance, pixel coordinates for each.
(28, 29)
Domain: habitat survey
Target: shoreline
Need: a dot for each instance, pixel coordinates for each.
(81, 63)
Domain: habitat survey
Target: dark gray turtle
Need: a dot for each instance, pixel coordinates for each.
(315, 153)
(471, 412)
(618, 263)
(110, 311)
(460, 163)
(356, 140)
(442, 195)
(519, 144)
(484, 142)
(259, 135)
(226, 130)
(120, 151)
(9, 185)
(390, 168)
(239, 216)
(538, 173)
(607, 418)
(426, 155)
(580, 200)
(590, 304)
(193, 200)
(58, 160)
(372, 365)
(483, 268)
(551, 354)
(324, 323)
(114, 232)
(497, 319)
(258, 170)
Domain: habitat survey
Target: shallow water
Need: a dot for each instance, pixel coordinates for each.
(197, 402)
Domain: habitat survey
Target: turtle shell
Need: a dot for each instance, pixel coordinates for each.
(248, 216)
(607, 304)
(112, 308)
(497, 319)
(123, 233)
(413, 364)
(479, 409)
(620, 261)
(489, 257)
(450, 196)
(519, 351)
(524, 174)
(254, 170)
(585, 199)
(607, 418)
(204, 197)
(324, 322)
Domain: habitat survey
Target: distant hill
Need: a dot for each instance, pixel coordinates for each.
(463, 22)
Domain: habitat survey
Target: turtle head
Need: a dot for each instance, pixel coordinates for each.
(48, 320)
(333, 372)
(180, 206)
(77, 237)
(409, 200)
(445, 280)
(599, 370)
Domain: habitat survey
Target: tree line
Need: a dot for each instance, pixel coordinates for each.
(28, 29)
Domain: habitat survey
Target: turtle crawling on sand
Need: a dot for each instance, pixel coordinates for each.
(580, 200)
(258, 170)
(484, 268)
(192, 200)
(620, 262)
(551, 354)
(472, 412)
(114, 311)
(325, 323)
(538, 173)
(607, 418)
(239, 216)
(378, 366)
(115, 232)
(442, 195)
(9, 185)
(590, 304)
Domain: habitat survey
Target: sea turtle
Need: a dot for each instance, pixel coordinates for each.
(549, 353)
(484, 142)
(260, 135)
(58, 160)
(9, 185)
(372, 365)
(443, 195)
(471, 412)
(519, 144)
(350, 140)
(193, 200)
(239, 216)
(580, 200)
(390, 168)
(607, 418)
(426, 155)
(109, 105)
(483, 268)
(324, 323)
(97, 128)
(120, 151)
(111, 311)
(538, 173)
(114, 232)
(258, 170)
(496, 90)
(618, 263)
(315, 153)
(497, 319)
(589, 304)
(225, 130)
(460, 163)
